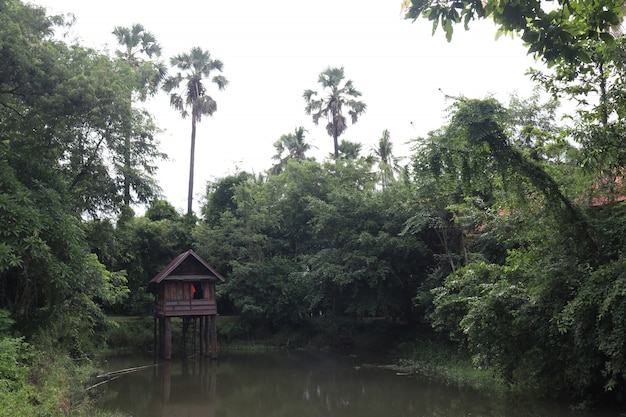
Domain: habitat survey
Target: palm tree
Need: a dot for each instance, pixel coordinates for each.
(136, 40)
(387, 163)
(191, 98)
(139, 46)
(294, 144)
(331, 105)
(350, 150)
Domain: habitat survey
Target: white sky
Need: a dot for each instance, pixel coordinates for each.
(273, 50)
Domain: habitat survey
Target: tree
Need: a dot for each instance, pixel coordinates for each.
(331, 105)
(136, 40)
(138, 44)
(60, 108)
(473, 155)
(387, 163)
(349, 150)
(192, 99)
(533, 297)
(255, 230)
(554, 30)
(161, 210)
(93, 140)
(147, 244)
(363, 265)
(313, 238)
(533, 129)
(220, 196)
(294, 145)
(597, 88)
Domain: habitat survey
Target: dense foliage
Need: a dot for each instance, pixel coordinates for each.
(503, 234)
(553, 30)
(65, 111)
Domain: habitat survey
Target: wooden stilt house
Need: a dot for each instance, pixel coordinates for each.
(186, 288)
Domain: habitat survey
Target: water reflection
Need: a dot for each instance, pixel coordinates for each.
(298, 384)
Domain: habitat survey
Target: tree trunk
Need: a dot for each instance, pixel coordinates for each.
(127, 167)
(191, 166)
(335, 135)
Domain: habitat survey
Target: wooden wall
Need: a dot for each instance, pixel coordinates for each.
(176, 299)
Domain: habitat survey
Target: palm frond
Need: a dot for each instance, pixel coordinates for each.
(221, 81)
(205, 105)
(308, 95)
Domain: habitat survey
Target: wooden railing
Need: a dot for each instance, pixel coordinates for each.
(192, 307)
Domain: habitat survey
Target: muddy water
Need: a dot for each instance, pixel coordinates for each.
(297, 385)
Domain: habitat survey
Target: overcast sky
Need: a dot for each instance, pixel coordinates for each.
(273, 50)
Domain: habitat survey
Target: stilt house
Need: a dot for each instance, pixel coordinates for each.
(186, 288)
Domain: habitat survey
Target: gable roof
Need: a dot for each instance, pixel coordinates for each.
(187, 266)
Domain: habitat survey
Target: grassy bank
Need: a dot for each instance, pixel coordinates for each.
(444, 363)
(44, 382)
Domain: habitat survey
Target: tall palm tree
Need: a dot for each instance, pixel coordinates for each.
(138, 48)
(294, 145)
(388, 164)
(188, 94)
(331, 105)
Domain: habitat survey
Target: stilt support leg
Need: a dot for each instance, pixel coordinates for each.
(213, 330)
(167, 338)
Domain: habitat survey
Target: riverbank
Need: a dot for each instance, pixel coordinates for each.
(44, 382)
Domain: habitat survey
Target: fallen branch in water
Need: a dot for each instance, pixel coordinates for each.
(101, 382)
(110, 376)
(126, 371)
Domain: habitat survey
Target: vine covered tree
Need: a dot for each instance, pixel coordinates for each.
(336, 97)
(188, 94)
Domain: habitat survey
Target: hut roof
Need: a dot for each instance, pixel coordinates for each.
(187, 266)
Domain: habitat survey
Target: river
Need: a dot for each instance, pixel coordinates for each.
(297, 384)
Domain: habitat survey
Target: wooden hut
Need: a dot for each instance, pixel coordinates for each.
(186, 288)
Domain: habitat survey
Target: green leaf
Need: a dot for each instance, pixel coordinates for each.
(447, 24)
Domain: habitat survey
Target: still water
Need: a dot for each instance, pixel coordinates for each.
(297, 385)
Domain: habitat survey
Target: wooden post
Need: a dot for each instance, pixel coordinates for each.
(201, 331)
(194, 321)
(161, 335)
(154, 340)
(167, 338)
(213, 337)
(206, 336)
(185, 328)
